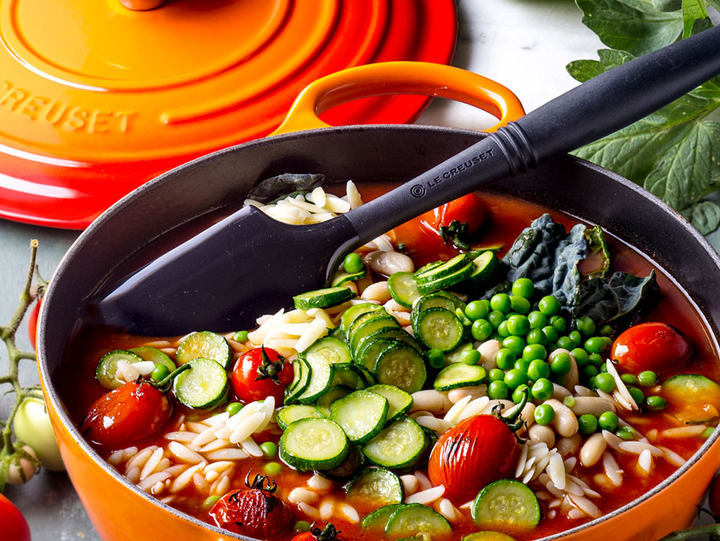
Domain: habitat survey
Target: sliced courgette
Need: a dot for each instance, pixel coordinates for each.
(459, 375)
(396, 446)
(321, 376)
(106, 371)
(370, 354)
(376, 487)
(289, 414)
(323, 298)
(403, 288)
(148, 353)
(348, 468)
(204, 386)
(314, 444)
(448, 268)
(488, 536)
(390, 333)
(301, 379)
(361, 415)
(692, 398)
(206, 345)
(447, 281)
(348, 375)
(402, 366)
(370, 326)
(355, 311)
(506, 504)
(417, 519)
(342, 277)
(329, 349)
(486, 267)
(439, 299)
(325, 402)
(377, 520)
(399, 401)
(438, 328)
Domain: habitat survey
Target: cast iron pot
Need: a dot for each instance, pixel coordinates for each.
(118, 240)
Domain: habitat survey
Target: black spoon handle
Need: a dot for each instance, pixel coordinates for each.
(584, 114)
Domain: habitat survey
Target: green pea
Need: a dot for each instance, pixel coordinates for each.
(269, 448)
(518, 325)
(470, 357)
(233, 408)
(519, 304)
(210, 501)
(495, 318)
(596, 359)
(549, 305)
(561, 364)
(707, 432)
(648, 378)
(498, 390)
(518, 393)
(559, 322)
(522, 364)
(569, 401)
(496, 375)
(576, 337)
(514, 378)
(537, 319)
(592, 383)
(629, 379)
(626, 433)
(523, 287)
(542, 389)
(272, 468)
(505, 359)
(565, 342)
(481, 330)
(603, 368)
(534, 351)
(581, 357)
(605, 382)
(436, 358)
(595, 345)
(353, 263)
(544, 414)
(460, 313)
(160, 372)
(608, 421)
(536, 336)
(587, 424)
(590, 371)
(240, 336)
(538, 369)
(302, 526)
(476, 310)
(514, 344)
(501, 302)
(637, 394)
(656, 402)
(585, 325)
(606, 330)
(550, 333)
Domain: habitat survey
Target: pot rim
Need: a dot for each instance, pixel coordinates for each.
(86, 236)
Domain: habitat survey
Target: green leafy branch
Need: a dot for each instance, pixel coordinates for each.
(674, 152)
(14, 453)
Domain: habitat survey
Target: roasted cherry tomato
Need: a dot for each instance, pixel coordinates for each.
(253, 511)
(474, 453)
(467, 209)
(129, 413)
(316, 534)
(651, 346)
(32, 322)
(259, 373)
(13, 525)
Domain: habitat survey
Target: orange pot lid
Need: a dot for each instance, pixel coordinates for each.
(96, 99)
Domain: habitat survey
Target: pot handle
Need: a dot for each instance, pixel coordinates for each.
(384, 78)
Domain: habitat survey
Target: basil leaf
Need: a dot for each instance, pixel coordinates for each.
(623, 295)
(705, 216)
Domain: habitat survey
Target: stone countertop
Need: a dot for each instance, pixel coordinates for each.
(523, 44)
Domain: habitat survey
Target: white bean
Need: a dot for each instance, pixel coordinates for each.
(542, 434)
(298, 495)
(528, 414)
(388, 263)
(432, 401)
(592, 450)
(569, 446)
(488, 350)
(377, 292)
(560, 392)
(592, 405)
(475, 392)
(565, 423)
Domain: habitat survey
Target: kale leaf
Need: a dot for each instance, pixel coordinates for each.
(622, 295)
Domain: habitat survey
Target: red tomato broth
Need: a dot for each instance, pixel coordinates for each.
(505, 219)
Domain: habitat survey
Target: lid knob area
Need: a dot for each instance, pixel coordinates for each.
(142, 5)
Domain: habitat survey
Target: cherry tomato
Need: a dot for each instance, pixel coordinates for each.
(651, 346)
(260, 373)
(32, 322)
(472, 454)
(32, 425)
(467, 209)
(253, 511)
(129, 413)
(316, 534)
(13, 525)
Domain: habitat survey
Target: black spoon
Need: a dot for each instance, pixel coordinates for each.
(192, 288)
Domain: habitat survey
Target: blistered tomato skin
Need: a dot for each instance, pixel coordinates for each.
(471, 455)
(256, 378)
(651, 346)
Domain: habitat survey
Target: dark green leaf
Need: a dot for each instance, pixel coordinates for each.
(636, 26)
(584, 70)
(668, 5)
(692, 11)
(705, 216)
(623, 295)
(599, 252)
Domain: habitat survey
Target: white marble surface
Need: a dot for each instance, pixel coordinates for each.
(524, 44)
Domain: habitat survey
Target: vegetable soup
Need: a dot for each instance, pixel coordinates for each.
(492, 366)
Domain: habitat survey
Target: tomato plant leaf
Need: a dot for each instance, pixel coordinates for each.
(705, 216)
(692, 10)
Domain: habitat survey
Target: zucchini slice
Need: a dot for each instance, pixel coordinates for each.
(398, 445)
(148, 353)
(342, 277)
(459, 375)
(417, 519)
(206, 345)
(106, 371)
(323, 298)
(439, 328)
(368, 327)
(403, 288)
(401, 366)
(348, 375)
(325, 402)
(399, 401)
(447, 281)
(506, 504)
(204, 386)
(321, 377)
(488, 536)
(376, 486)
(439, 299)
(361, 415)
(377, 520)
(314, 444)
(349, 467)
(450, 267)
(329, 349)
(692, 398)
(486, 267)
(301, 379)
(369, 356)
(390, 333)
(289, 414)
(355, 311)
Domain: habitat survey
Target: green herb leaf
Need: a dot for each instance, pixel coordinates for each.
(705, 216)
(599, 252)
